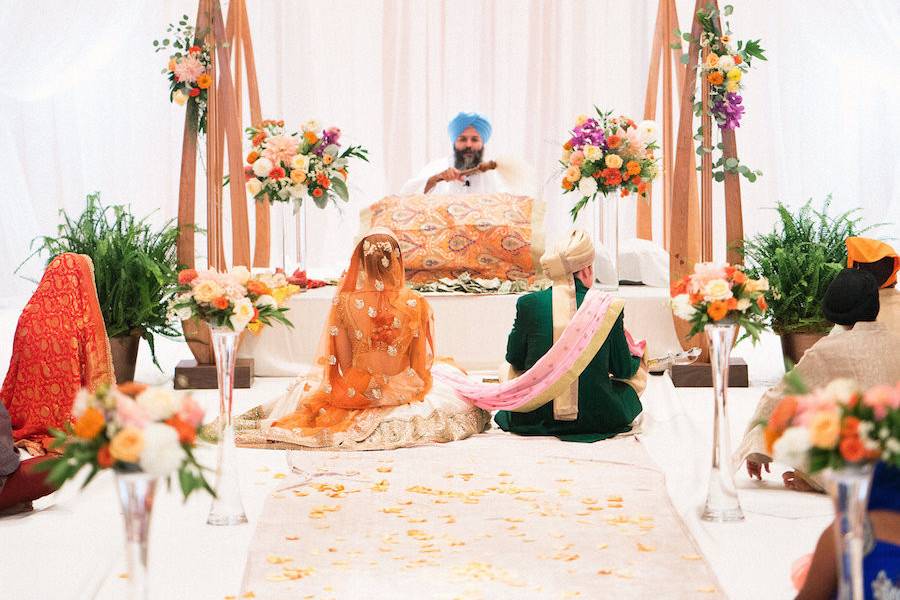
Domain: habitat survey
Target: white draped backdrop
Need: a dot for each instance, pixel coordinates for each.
(84, 106)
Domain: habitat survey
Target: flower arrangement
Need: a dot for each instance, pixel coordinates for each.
(837, 426)
(716, 293)
(234, 300)
(289, 167)
(189, 65)
(606, 154)
(131, 428)
(723, 66)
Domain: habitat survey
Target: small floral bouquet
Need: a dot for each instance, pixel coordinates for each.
(721, 294)
(289, 167)
(235, 299)
(189, 67)
(837, 426)
(606, 154)
(131, 429)
(723, 67)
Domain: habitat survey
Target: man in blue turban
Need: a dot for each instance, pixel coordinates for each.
(469, 132)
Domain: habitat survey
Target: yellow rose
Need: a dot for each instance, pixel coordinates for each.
(824, 429)
(580, 120)
(712, 59)
(573, 174)
(732, 86)
(613, 161)
(127, 445)
(206, 290)
(734, 74)
(298, 176)
(179, 98)
(592, 153)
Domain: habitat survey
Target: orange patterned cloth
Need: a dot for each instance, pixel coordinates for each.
(60, 346)
(486, 235)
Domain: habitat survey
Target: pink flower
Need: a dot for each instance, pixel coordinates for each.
(704, 273)
(577, 158)
(190, 412)
(189, 68)
(129, 413)
(280, 148)
(809, 405)
(881, 398)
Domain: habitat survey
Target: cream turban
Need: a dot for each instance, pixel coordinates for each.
(568, 257)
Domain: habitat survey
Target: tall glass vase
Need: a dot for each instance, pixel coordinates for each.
(722, 502)
(605, 235)
(849, 488)
(136, 492)
(289, 236)
(227, 508)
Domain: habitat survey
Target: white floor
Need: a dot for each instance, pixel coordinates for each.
(71, 546)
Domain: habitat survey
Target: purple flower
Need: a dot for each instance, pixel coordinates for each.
(329, 136)
(589, 132)
(728, 112)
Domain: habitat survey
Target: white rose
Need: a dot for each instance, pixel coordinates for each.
(262, 167)
(743, 304)
(300, 162)
(792, 447)
(716, 289)
(311, 125)
(592, 153)
(266, 300)
(649, 131)
(159, 403)
(243, 313)
(840, 390)
(162, 452)
(587, 186)
(241, 274)
(278, 280)
(681, 306)
(253, 186)
(725, 62)
(205, 290)
(184, 313)
(82, 401)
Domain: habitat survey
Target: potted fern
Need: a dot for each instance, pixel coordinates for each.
(135, 270)
(800, 258)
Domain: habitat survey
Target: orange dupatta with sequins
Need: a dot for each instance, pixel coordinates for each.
(59, 347)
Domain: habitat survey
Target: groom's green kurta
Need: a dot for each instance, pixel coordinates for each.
(605, 407)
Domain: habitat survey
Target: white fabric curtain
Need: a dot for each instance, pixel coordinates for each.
(85, 108)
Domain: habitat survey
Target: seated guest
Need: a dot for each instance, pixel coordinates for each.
(20, 483)
(882, 262)
(866, 353)
(881, 563)
(600, 404)
(60, 346)
(469, 132)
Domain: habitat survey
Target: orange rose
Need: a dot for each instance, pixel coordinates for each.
(322, 179)
(739, 277)
(186, 433)
(186, 276)
(642, 188)
(127, 445)
(779, 420)
(731, 303)
(717, 310)
(849, 427)
(761, 303)
(633, 167)
(258, 138)
(204, 81)
(567, 185)
(131, 388)
(317, 193)
(221, 302)
(624, 192)
(104, 458)
(258, 288)
(89, 424)
(567, 145)
(715, 78)
(252, 157)
(310, 137)
(852, 449)
(613, 141)
(737, 59)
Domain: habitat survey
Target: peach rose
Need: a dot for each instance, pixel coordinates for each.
(825, 429)
(127, 445)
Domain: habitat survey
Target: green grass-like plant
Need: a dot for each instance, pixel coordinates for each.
(800, 258)
(135, 266)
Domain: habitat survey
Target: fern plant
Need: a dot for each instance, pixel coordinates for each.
(800, 258)
(135, 266)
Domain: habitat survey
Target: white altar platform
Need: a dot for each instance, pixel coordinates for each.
(470, 328)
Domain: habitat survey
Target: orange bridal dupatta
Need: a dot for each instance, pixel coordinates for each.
(376, 350)
(60, 346)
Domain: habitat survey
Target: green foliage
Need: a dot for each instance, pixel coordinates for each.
(800, 258)
(135, 266)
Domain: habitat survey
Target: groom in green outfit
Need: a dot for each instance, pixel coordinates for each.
(601, 404)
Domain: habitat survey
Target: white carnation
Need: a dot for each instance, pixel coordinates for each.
(241, 274)
(841, 390)
(681, 306)
(587, 186)
(592, 153)
(743, 304)
(649, 131)
(162, 452)
(792, 447)
(262, 167)
(254, 186)
(159, 403)
(311, 125)
(726, 62)
(243, 314)
(266, 300)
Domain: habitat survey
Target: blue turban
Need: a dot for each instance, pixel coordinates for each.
(463, 120)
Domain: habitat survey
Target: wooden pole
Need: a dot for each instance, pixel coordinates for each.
(706, 218)
(645, 205)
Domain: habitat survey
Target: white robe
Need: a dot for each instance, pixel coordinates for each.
(488, 182)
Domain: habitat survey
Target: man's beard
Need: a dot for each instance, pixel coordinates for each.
(466, 158)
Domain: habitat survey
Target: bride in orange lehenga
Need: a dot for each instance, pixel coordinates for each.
(370, 386)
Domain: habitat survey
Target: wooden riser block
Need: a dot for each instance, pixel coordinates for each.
(700, 374)
(191, 376)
